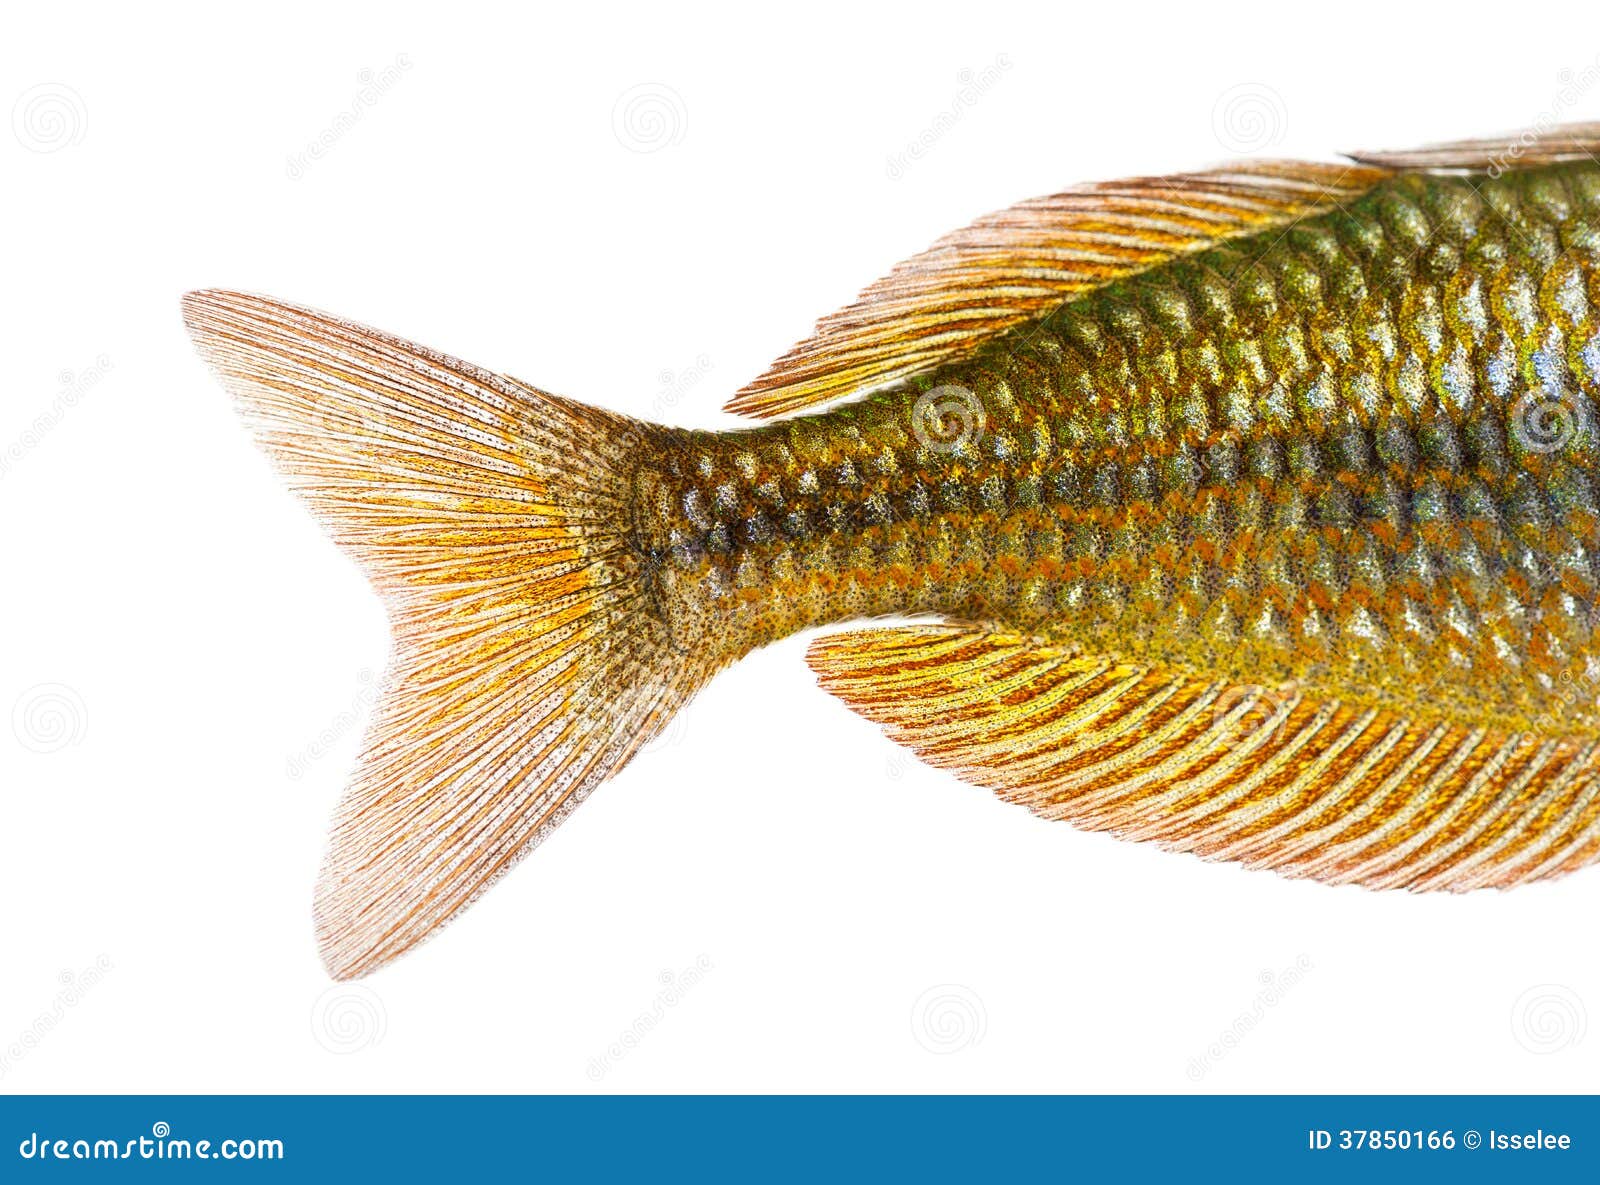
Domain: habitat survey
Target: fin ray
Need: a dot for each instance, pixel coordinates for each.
(1274, 779)
(1020, 263)
(1529, 147)
(528, 665)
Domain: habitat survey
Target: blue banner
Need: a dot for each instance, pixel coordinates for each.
(744, 1138)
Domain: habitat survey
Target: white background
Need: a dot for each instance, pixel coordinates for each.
(204, 652)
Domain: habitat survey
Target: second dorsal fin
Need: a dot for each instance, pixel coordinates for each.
(1528, 148)
(1021, 262)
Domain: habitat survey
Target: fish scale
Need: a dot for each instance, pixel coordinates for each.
(1250, 512)
(1315, 458)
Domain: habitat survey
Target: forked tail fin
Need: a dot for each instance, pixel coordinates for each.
(492, 518)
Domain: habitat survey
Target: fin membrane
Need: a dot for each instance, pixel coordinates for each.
(1557, 144)
(490, 517)
(1022, 262)
(1267, 777)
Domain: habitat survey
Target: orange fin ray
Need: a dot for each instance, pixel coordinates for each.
(1020, 263)
(1272, 778)
(490, 517)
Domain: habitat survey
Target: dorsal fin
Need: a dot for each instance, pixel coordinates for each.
(1271, 777)
(1524, 149)
(1021, 262)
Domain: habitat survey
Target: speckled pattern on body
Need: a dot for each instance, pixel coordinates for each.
(1251, 512)
(1359, 455)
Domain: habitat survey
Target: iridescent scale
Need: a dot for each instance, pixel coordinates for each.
(1357, 457)
(1250, 512)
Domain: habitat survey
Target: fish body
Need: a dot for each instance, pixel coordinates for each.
(1359, 457)
(1251, 512)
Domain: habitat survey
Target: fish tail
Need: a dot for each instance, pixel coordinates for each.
(494, 520)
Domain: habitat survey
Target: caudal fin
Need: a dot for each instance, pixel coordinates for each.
(528, 664)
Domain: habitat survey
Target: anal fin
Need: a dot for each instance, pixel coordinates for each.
(1273, 778)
